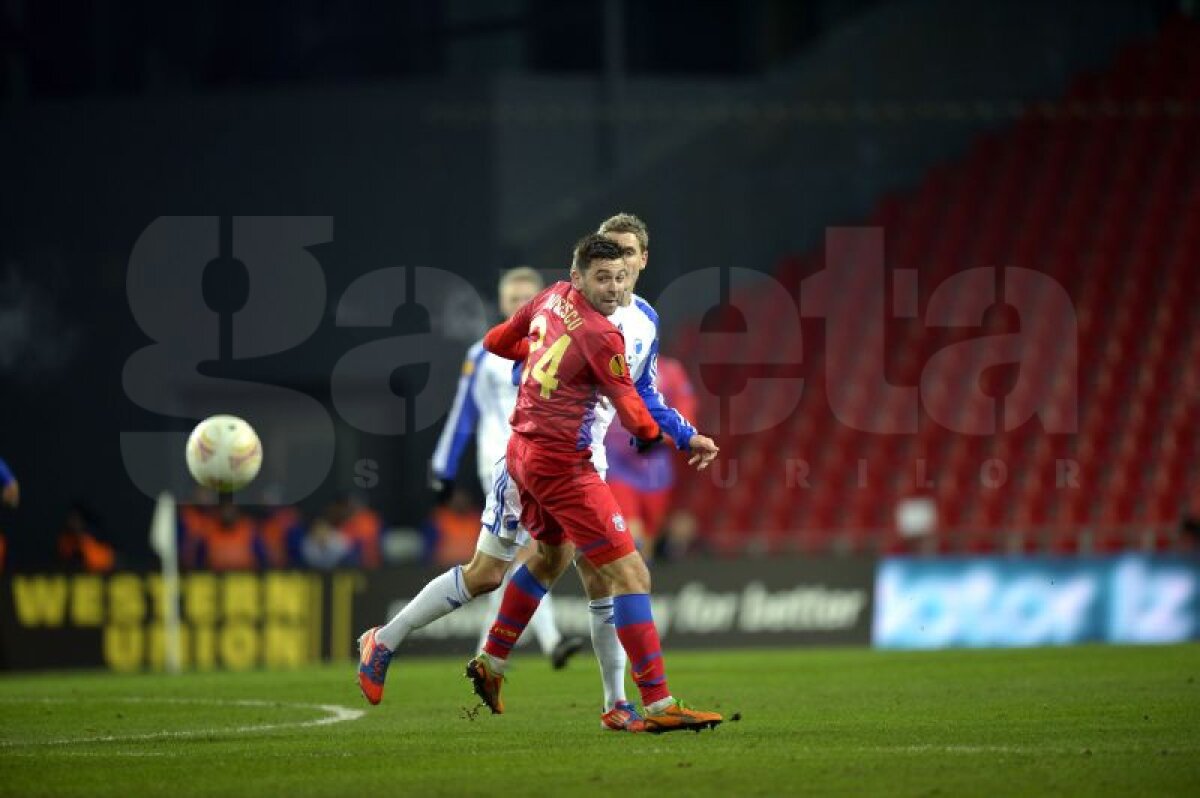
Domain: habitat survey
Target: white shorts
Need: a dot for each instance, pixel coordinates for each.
(502, 535)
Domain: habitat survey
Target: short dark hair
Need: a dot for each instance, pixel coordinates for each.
(593, 246)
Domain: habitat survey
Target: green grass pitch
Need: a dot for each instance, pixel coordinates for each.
(1073, 721)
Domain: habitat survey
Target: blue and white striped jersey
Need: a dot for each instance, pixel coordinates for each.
(638, 323)
(482, 406)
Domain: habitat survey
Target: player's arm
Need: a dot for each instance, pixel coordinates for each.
(510, 339)
(10, 490)
(612, 376)
(673, 422)
(460, 424)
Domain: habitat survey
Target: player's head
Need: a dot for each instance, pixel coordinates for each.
(598, 271)
(518, 286)
(631, 234)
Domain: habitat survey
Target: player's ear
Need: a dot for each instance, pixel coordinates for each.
(576, 278)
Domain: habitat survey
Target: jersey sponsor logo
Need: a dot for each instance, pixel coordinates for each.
(618, 521)
(617, 366)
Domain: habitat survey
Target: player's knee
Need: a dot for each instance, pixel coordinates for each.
(595, 585)
(629, 574)
(555, 559)
(483, 574)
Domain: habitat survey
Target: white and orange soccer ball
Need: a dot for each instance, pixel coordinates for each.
(224, 453)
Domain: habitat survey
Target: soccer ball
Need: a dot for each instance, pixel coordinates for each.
(224, 453)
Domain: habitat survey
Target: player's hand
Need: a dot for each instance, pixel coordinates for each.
(704, 451)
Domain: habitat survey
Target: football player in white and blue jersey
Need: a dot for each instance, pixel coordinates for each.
(482, 406)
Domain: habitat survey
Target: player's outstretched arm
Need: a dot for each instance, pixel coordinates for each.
(703, 448)
(636, 418)
(510, 339)
(608, 365)
(673, 422)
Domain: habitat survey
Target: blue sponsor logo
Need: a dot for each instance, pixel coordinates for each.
(1031, 602)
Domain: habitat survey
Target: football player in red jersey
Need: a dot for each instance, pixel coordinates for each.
(573, 355)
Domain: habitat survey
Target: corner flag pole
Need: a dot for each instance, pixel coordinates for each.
(162, 540)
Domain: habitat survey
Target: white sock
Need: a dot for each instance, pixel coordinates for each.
(497, 664)
(494, 599)
(609, 652)
(543, 625)
(442, 596)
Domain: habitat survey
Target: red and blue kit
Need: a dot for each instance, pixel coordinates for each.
(573, 358)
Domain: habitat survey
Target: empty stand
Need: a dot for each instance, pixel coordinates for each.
(1100, 192)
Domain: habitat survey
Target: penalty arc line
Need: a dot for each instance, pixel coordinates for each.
(334, 713)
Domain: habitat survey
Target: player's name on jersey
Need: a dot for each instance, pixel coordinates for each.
(566, 311)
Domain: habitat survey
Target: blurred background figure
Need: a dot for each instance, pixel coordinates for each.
(325, 547)
(80, 547)
(230, 541)
(346, 534)
(10, 489)
(643, 484)
(282, 530)
(452, 529)
(360, 525)
(10, 496)
(194, 520)
(680, 537)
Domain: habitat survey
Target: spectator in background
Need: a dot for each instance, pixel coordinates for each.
(326, 546)
(353, 521)
(282, 531)
(79, 547)
(230, 542)
(364, 526)
(681, 536)
(10, 496)
(452, 530)
(195, 521)
(642, 483)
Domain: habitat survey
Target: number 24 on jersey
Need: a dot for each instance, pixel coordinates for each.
(544, 369)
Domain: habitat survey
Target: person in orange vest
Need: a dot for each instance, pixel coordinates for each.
(232, 543)
(79, 549)
(10, 496)
(281, 528)
(195, 521)
(364, 527)
(452, 530)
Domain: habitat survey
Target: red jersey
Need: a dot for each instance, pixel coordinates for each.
(573, 354)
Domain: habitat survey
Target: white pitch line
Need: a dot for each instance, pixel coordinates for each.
(333, 714)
